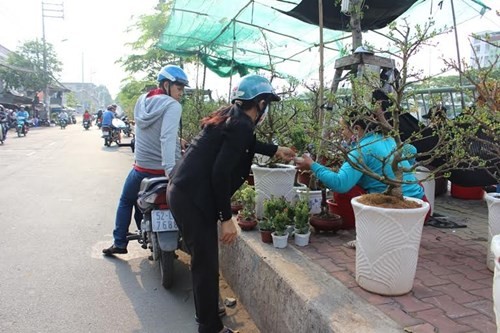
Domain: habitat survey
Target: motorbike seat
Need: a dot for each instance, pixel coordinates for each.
(153, 190)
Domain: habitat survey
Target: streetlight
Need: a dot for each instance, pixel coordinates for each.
(52, 10)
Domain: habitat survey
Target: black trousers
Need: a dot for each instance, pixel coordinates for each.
(201, 238)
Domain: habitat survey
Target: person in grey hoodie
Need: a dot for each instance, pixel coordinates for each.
(157, 115)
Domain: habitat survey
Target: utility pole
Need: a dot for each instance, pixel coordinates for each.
(49, 10)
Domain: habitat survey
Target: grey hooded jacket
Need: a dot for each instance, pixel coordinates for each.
(157, 121)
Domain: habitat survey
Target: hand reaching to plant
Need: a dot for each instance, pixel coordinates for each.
(285, 153)
(228, 232)
(304, 162)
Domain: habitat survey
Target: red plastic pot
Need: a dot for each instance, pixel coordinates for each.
(467, 193)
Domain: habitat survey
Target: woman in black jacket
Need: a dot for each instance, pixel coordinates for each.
(201, 185)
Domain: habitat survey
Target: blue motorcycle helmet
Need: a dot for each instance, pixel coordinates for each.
(174, 74)
(251, 86)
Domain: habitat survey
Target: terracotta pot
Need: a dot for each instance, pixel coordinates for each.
(304, 178)
(250, 180)
(246, 224)
(330, 222)
(235, 208)
(265, 236)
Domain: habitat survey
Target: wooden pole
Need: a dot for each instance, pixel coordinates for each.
(356, 10)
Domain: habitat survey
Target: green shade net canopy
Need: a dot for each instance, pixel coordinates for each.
(240, 36)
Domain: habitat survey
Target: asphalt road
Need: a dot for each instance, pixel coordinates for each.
(58, 195)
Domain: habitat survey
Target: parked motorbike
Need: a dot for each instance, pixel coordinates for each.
(127, 130)
(63, 123)
(21, 128)
(159, 232)
(73, 119)
(86, 124)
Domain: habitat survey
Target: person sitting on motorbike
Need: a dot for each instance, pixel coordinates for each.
(108, 116)
(87, 117)
(63, 115)
(22, 117)
(4, 118)
(99, 117)
(157, 117)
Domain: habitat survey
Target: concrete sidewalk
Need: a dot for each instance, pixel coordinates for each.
(313, 289)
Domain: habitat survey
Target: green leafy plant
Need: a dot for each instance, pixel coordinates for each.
(301, 216)
(248, 201)
(276, 211)
(265, 225)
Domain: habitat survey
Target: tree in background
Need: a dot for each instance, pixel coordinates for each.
(30, 56)
(71, 100)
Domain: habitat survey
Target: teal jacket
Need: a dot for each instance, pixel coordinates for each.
(372, 148)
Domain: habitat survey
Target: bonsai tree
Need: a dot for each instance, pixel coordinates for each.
(386, 116)
(301, 217)
(484, 115)
(276, 212)
(248, 202)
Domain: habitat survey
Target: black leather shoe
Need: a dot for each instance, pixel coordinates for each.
(114, 250)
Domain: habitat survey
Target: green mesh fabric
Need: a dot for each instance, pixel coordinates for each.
(239, 36)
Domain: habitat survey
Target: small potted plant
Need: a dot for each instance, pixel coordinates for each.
(246, 216)
(236, 200)
(266, 229)
(276, 212)
(301, 218)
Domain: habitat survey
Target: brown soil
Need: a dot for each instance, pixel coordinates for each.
(387, 201)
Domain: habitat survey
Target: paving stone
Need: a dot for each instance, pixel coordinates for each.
(437, 318)
(421, 328)
(373, 298)
(329, 266)
(409, 303)
(483, 306)
(464, 282)
(452, 309)
(479, 322)
(458, 295)
(394, 311)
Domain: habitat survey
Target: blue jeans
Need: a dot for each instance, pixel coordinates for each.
(127, 202)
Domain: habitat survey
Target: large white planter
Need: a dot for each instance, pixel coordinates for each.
(314, 198)
(387, 244)
(495, 248)
(277, 182)
(429, 185)
(493, 201)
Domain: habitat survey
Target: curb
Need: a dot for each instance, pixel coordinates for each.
(284, 292)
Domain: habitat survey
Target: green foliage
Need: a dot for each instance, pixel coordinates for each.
(71, 100)
(28, 58)
(276, 210)
(194, 109)
(301, 216)
(248, 201)
(130, 92)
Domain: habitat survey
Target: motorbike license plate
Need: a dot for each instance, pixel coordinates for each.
(105, 133)
(163, 221)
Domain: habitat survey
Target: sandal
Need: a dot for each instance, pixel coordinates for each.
(351, 244)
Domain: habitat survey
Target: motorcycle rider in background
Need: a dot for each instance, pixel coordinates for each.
(63, 115)
(98, 117)
(157, 117)
(4, 118)
(87, 117)
(22, 117)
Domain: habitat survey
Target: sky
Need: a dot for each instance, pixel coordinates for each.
(93, 34)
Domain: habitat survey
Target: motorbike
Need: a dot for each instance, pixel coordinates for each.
(3, 130)
(159, 232)
(21, 128)
(73, 119)
(99, 123)
(112, 134)
(127, 130)
(86, 124)
(63, 123)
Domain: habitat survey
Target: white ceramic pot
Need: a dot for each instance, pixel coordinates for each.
(296, 190)
(280, 242)
(277, 182)
(302, 239)
(493, 202)
(429, 185)
(495, 248)
(387, 244)
(314, 198)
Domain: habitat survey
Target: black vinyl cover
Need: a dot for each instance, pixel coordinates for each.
(376, 13)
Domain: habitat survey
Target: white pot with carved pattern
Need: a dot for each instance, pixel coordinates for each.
(387, 245)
